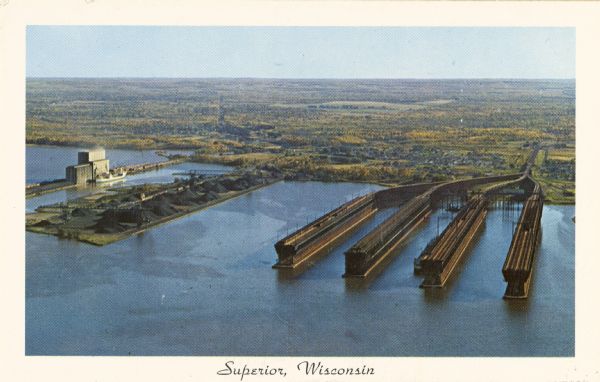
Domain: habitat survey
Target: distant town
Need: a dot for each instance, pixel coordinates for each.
(390, 132)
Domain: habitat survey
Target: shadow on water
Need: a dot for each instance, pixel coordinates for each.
(436, 296)
(517, 307)
(290, 274)
(329, 263)
(440, 295)
(357, 284)
(218, 297)
(323, 259)
(360, 284)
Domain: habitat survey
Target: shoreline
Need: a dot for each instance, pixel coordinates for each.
(215, 160)
(111, 147)
(100, 239)
(36, 193)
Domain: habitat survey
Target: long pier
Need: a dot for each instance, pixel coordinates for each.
(416, 204)
(325, 233)
(440, 258)
(372, 249)
(143, 167)
(518, 265)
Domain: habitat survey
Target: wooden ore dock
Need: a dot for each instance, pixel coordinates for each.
(372, 249)
(323, 234)
(518, 265)
(440, 258)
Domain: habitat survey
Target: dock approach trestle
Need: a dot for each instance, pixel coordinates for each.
(442, 255)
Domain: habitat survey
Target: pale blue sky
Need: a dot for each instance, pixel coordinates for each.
(300, 52)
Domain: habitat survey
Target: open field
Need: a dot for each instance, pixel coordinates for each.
(385, 131)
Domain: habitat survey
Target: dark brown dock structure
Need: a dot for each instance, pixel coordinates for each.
(518, 265)
(441, 256)
(325, 233)
(416, 202)
(439, 259)
(372, 249)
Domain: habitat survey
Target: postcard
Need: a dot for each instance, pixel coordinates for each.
(300, 191)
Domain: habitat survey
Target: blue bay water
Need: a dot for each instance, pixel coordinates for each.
(203, 285)
(45, 163)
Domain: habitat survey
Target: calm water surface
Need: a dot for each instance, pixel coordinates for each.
(49, 162)
(203, 285)
(38, 169)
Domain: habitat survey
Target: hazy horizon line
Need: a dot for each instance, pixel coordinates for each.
(311, 78)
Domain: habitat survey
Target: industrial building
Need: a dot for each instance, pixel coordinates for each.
(90, 164)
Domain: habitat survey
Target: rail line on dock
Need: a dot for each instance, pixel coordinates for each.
(518, 266)
(324, 233)
(443, 254)
(439, 260)
(364, 256)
